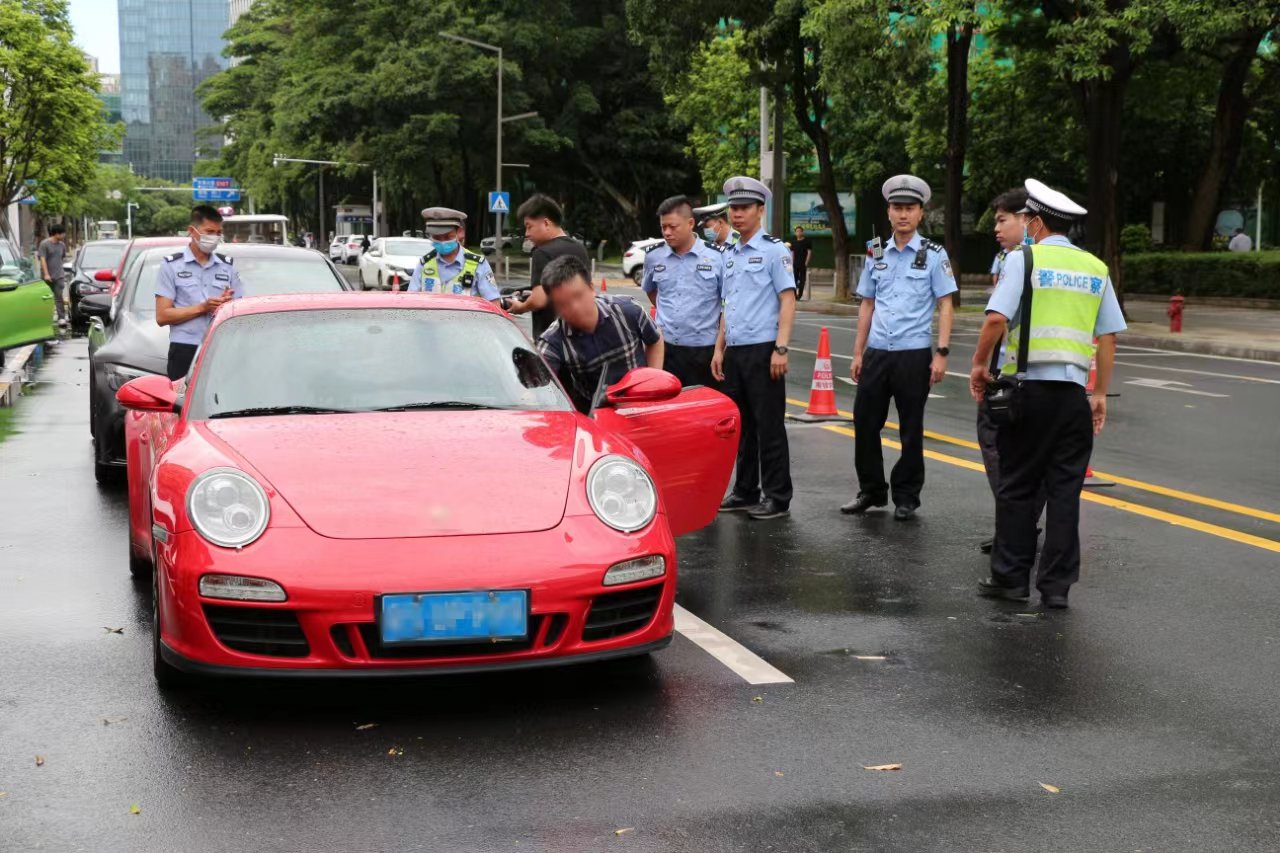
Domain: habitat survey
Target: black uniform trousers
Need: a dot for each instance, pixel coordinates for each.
(764, 458)
(691, 365)
(988, 436)
(180, 358)
(1049, 446)
(902, 375)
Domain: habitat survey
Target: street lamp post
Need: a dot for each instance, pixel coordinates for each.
(128, 214)
(280, 158)
(497, 235)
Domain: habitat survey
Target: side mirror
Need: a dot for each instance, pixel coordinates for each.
(96, 305)
(148, 394)
(644, 385)
(104, 275)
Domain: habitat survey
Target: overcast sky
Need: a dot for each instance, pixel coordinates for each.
(97, 31)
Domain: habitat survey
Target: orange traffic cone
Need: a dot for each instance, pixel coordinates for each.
(1093, 369)
(604, 285)
(822, 393)
(653, 312)
(1090, 481)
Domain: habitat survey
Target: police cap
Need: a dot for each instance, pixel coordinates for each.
(711, 211)
(1044, 199)
(744, 190)
(442, 220)
(906, 189)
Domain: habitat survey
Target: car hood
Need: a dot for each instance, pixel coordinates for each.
(135, 341)
(412, 474)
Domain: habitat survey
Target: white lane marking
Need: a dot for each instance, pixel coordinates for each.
(745, 663)
(1167, 385)
(850, 358)
(848, 381)
(1201, 372)
(1190, 354)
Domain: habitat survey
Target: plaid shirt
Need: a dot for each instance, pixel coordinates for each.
(615, 346)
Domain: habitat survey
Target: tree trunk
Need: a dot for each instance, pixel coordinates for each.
(1103, 112)
(958, 41)
(1224, 144)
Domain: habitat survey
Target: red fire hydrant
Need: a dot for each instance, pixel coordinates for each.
(1175, 312)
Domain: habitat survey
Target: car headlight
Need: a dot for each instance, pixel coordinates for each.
(621, 493)
(635, 570)
(118, 374)
(228, 507)
(241, 588)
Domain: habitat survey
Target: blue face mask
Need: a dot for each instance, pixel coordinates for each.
(445, 248)
(710, 234)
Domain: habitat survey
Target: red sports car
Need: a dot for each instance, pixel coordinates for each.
(381, 484)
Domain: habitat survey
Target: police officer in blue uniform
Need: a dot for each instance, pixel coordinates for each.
(448, 267)
(751, 352)
(713, 220)
(191, 286)
(684, 279)
(893, 356)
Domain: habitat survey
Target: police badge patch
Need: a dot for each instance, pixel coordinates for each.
(946, 268)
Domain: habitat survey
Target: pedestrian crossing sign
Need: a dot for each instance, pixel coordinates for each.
(499, 202)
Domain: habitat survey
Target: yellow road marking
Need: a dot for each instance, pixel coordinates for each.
(1189, 497)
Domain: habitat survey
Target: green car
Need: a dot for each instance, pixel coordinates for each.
(26, 302)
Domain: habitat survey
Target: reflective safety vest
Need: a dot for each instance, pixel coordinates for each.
(461, 284)
(1066, 295)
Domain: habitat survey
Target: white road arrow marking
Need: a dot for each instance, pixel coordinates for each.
(1169, 385)
(848, 381)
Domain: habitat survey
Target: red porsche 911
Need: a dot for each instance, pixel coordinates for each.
(368, 485)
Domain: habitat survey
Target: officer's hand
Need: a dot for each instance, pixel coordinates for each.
(778, 365)
(717, 365)
(1098, 405)
(979, 378)
(937, 369)
(856, 370)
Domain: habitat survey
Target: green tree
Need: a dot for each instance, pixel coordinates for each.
(51, 123)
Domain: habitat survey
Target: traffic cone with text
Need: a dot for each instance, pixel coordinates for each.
(822, 393)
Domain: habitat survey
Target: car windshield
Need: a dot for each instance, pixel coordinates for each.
(101, 256)
(408, 247)
(261, 275)
(369, 359)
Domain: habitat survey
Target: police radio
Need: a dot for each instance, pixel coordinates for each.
(875, 249)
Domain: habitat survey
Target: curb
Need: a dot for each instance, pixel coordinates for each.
(1199, 347)
(19, 365)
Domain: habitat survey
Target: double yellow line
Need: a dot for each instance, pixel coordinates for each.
(1115, 503)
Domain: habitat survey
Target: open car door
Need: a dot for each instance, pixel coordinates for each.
(26, 313)
(690, 437)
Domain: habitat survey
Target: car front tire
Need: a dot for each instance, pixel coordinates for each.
(637, 275)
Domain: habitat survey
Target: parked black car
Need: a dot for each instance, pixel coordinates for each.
(91, 257)
(125, 342)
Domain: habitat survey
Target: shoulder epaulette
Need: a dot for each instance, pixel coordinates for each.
(715, 246)
(175, 256)
(769, 238)
(472, 256)
(931, 245)
(428, 256)
(650, 248)
(224, 258)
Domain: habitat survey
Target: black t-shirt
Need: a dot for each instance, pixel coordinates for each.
(543, 255)
(800, 250)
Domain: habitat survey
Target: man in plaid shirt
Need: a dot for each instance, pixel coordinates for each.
(595, 335)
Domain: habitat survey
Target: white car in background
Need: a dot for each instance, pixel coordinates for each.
(351, 248)
(336, 246)
(633, 258)
(390, 257)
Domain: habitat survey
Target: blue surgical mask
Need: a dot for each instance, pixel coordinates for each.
(1026, 238)
(445, 248)
(710, 234)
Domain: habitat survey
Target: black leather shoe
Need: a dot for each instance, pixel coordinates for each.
(733, 503)
(990, 588)
(861, 504)
(768, 508)
(904, 512)
(986, 546)
(1054, 602)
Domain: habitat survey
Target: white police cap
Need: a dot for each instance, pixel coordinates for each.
(711, 211)
(442, 220)
(744, 190)
(906, 189)
(1044, 199)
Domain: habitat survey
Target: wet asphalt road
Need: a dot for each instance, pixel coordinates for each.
(1151, 705)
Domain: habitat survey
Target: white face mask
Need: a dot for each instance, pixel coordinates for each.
(208, 242)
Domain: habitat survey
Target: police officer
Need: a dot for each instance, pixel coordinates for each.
(713, 219)
(751, 352)
(1072, 304)
(684, 279)
(448, 267)
(893, 355)
(191, 286)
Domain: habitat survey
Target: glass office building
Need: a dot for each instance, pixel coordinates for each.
(167, 47)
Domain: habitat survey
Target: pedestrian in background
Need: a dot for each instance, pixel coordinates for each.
(684, 277)
(893, 356)
(52, 252)
(1050, 348)
(801, 255)
(751, 352)
(544, 225)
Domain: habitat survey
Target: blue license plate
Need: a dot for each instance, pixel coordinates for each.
(433, 617)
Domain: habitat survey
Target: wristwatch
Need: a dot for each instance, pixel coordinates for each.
(780, 350)
(944, 351)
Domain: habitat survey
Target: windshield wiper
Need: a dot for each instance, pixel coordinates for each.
(436, 404)
(281, 410)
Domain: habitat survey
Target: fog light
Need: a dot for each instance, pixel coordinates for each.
(636, 570)
(241, 589)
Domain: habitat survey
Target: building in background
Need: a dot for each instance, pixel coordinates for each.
(167, 47)
(238, 8)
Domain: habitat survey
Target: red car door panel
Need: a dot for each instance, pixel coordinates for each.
(691, 443)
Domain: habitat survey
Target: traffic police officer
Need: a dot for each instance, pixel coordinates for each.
(684, 279)
(751, 352)
(448, 267)
(893, 355)
(191, 286)
(1072, 305)
(713, 219)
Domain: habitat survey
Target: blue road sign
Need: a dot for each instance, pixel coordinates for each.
(212, 184)
(499, 202)
(216, 195)
(29, 199)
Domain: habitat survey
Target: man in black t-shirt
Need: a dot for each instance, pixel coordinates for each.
(542, 224)
(801, 254)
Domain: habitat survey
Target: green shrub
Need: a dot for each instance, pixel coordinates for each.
(1135, 239)
(1251, 275)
